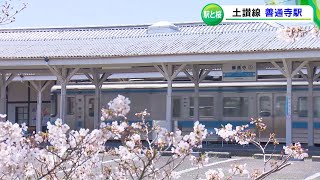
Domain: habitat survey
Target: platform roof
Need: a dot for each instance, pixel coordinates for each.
(122, 41)
(193, 42)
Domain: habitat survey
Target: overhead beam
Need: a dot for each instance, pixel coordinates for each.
(279, 68)
(303, 64)
(316, 77)
(305, 77)
(213, 58)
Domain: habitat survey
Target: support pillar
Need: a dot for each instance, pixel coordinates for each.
(169, 106)
(64, 76)
(62, 113)
(97, 111)
(39, 87)
(195, 72)
(310, 77)
(196, 102)
(3, 99)
(39, 112)
(288, 72)
(289, 105)
(63, 100)
(95, 78)
(198, 75)
(168, 72)
(310, 112)
(4, 82)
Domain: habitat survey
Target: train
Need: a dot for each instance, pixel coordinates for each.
(219, 103)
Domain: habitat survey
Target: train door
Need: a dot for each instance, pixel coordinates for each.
(265, 111)
(79, 116)
(271, 108)
(279, 107)
(71, 112)
(89, 112)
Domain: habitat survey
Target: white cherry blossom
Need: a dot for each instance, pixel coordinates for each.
(214, 174)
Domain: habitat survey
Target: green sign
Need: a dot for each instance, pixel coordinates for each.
(303, 2)
(316, 11)
(212, 14)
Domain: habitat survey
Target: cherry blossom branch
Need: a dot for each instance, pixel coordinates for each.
(8, 12)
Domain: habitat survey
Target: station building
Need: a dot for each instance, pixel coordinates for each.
(180, 72)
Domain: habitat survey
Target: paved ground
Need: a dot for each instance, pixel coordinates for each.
(239, 150)
(298, 170)
(307, 169)
(249, 150)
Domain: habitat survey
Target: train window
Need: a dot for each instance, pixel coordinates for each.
(280, 106)
(265, 106)
(176, 107)
(91, 107)
(71, 102)
(22, 115)
(53, 99)
(303, 107)
(317, 106)
(206, 107)
(235, 106)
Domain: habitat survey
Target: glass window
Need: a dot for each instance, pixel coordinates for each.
(71, 101)
(176, 107)
(91, 107)
(53, 99)
(303, 107)
(235, 106)
(316, 101)
(22, 115)
(206, 107)
(280, 106)
(265, 106)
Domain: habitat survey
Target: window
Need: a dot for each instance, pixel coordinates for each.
(176, 107)
(22, 115)
(91, 107)
(317, 106)
(280, 106)
(53, 99)
(206, 108)
(303, 107)
(265, 106)
(71, 101)
(235, 106)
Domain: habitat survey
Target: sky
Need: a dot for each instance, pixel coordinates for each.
(66, 13)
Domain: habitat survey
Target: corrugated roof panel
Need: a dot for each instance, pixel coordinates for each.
(134, 41)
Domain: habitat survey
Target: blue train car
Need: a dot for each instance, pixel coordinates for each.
(219, 103)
